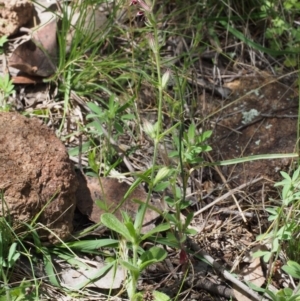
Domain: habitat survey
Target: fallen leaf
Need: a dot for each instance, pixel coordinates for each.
(37, 56)
(252, 273)
(87, 277)
(111, 192)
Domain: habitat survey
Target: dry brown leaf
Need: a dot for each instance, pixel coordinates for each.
(238, 295)
(252, 273)
(113, 279)
(111, 192)
(37, 56)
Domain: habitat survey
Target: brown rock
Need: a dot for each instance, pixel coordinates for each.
(13, 15)
(36, 176)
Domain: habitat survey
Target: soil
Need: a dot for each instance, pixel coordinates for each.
(13, 15)
(272, 131)
(36, 172)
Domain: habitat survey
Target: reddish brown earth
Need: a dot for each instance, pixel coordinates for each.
(273, 131)
(13, 15)
(36, 175)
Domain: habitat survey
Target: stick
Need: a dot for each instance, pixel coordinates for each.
(226, 195)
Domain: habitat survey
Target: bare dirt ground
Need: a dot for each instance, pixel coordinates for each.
(272, 130)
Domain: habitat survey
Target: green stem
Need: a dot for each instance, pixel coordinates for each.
(8, 297)
(159, 116)
(131, 290)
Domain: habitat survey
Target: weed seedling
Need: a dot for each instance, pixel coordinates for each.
(6, 89)
(140, 259)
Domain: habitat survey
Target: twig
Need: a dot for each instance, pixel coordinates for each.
(226, 195)
(226, 184)
(233, 212)
(248, 291)
(213, 288)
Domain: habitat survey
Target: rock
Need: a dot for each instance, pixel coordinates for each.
(36, 176)
(13, 15)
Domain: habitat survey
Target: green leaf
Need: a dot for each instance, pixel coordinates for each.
(161, 174)
(206, 148)
(3, 40)
(157, 253)
(145, 264)
(129, 266)
(275, 245)
(92, 161)
(102, 205)
(158, 296)
(170, 201)
(285, 175)
(118, 127)
(132, 231)
(128, 117)
(158, 229)
(273, 211)
(126, 217)
(191, 133)
(283, 183)
(205, 135)
(13, 255)
(91, 245)
(95, 108)
(285, 294)
(74, 151)
(256, 157)
(69, 257)
(161, 186)
(190, 231)
(292, 268)
(188, 219)
(256, 46)
(286, 191)
(98, 128)
(171, 218)
(290, 61)
(139, 216)
(173, 154)
(137, 297)
(49, 268)
(260, 253)
(167, 241)
(153, 255)
(184, 204)
(1, 251)
(296, 175)
(124, 107)
(267, 256)
(111, 222)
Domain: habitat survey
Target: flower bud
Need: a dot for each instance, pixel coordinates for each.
(165, 78)
(162, 173)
